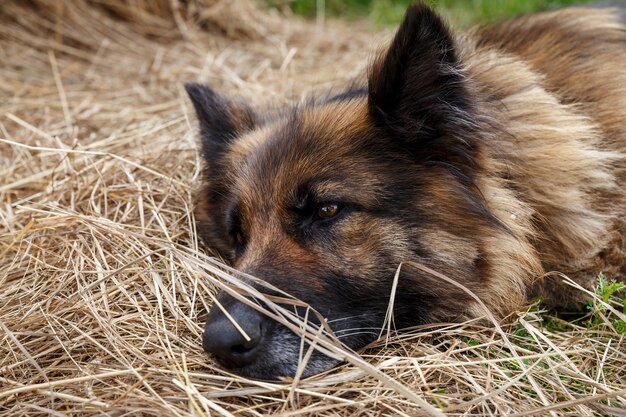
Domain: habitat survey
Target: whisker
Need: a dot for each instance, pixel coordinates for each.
(343, 336)
(350, 317)
(377, 329)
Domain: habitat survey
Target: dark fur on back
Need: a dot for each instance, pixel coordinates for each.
(492, 157)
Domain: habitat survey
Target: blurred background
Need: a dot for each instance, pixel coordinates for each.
(389, 12)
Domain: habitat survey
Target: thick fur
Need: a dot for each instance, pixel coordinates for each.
(493, 157)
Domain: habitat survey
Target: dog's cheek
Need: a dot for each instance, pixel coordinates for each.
(457, 253)
(359, 259)
(369, 251)
(370, 248)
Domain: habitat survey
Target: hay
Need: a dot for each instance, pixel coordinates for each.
(103, 290)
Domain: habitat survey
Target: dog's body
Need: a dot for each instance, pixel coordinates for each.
(492, 158)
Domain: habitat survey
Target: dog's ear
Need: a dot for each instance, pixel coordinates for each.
(221, 120)
(416, 87)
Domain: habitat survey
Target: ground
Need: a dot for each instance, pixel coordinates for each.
(103, 288)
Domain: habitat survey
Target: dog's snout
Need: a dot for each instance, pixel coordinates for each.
(226, 342)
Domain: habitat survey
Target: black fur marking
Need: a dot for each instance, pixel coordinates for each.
(352, 93)
(220, 120)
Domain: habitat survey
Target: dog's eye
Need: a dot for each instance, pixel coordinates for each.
(327, 210)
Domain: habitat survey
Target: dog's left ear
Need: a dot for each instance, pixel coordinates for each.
(416, 87)
(221, 120)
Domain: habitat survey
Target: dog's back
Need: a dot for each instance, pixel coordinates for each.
(581, 52)
(560, 76)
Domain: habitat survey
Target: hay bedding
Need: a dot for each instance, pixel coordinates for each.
(102, 288)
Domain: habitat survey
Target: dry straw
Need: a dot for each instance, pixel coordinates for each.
(103, 288)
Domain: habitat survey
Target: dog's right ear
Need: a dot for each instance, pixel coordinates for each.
(221, 120)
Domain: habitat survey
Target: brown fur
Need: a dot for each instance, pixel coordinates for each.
(492, 157)
(572, 75)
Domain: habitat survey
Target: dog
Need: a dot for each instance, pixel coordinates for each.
(492, 157)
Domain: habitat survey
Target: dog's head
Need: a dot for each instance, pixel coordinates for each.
(328, 200)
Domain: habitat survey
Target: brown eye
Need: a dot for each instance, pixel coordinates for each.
(327, 210)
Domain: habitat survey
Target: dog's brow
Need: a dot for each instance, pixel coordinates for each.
(327, 188)
(343, 190)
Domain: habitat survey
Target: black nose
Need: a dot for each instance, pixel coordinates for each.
(222, 339)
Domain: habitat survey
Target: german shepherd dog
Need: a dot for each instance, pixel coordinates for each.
(492, 157)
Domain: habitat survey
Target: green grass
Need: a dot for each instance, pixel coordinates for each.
(611, 293)
(599, 317)
(389, 12)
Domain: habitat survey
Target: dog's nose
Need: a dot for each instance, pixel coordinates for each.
(227, 343)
